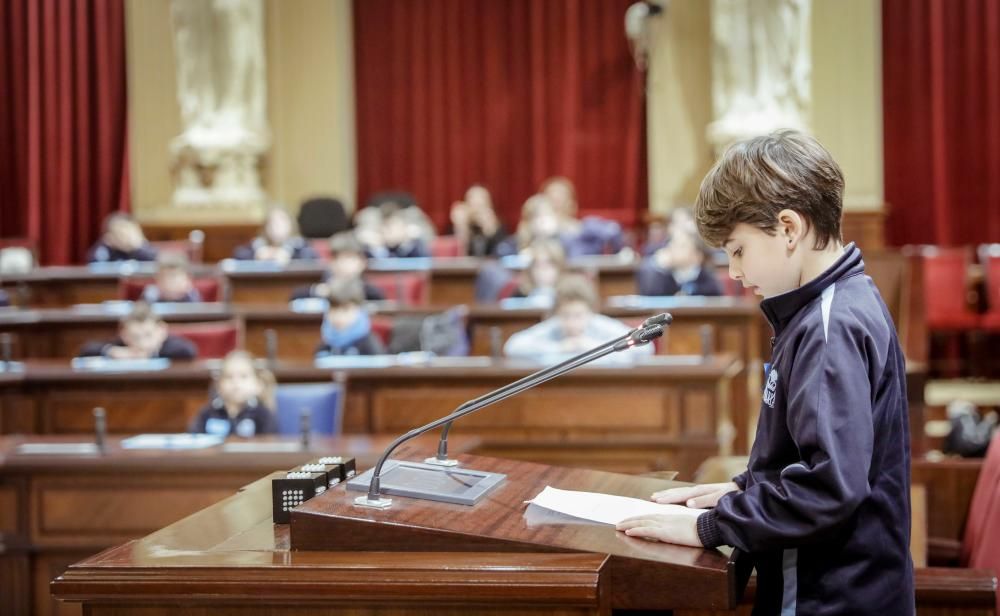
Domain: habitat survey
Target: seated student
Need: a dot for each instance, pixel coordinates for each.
(591, 235)
(369, 222)
(122, 240)
(547, 264)
(241, 405)
(173, 281)
(682, 267)
(347, 262)
(574, 327)
(142, 334)
(475, 223)
(539, 221)
(396, 236)
(659, 233)
(277, 241)
(346, 329)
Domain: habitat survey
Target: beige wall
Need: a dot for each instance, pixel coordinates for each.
(310, 106)
(846, 85)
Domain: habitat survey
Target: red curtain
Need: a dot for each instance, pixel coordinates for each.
(63, 159)
(941, 106)
(503, 92)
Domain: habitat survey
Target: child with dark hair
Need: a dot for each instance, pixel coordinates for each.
(121, 240)
(142, 334)
(682, 267)
(346, 329)
(241, 406)
(348, 261)
(173, 281)
(823, 510)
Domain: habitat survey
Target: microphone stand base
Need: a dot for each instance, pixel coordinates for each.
(437, 462)
(379, 503)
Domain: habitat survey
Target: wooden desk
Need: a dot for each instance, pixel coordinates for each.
(57, 509)
(667, 413)
(216, 563)
(452, 280)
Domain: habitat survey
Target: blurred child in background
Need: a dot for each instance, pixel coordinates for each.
(244, 397)
(574, 327)
(278, 240)
(142, 334)
(346, 329)
(475, 223)
(122, 240)
(173, 281)
(348, 261)
(683, 267)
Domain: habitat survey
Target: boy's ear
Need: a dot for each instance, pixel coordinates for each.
(791, 227)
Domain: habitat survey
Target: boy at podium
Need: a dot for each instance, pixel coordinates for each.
(823, 508)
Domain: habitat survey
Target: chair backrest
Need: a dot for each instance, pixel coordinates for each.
(209, 287)
(981, 544)
(989, 257)
(214, 339)
(945, 283)
(444, 246)
(382, 327)
(321, 217)
(192, 247)
(410, 288)
(322, 248)
(325, 402)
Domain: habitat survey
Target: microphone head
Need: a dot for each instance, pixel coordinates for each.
(664, 318)
(649, 333)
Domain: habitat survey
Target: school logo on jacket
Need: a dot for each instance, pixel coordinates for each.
(771, 389)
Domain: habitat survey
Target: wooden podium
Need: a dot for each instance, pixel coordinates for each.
(417, 557)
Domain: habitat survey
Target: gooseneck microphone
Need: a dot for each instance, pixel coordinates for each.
(442, 459)
(651, 329)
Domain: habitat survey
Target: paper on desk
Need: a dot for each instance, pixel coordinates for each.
(604, 508)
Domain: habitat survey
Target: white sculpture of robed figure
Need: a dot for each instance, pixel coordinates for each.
(221, 88)
(761, 68)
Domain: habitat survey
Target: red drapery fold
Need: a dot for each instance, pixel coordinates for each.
(941, 106)
(63, 160)
(504, 92)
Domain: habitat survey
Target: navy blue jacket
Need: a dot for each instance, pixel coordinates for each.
(824, 510)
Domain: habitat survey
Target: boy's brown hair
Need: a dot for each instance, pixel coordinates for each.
(345, 242)
(576, 288)
(345, 292)
(141, 312)
(757, 178)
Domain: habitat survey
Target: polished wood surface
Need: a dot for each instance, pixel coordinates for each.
(644, 575)
(231, 559)
(58, 508)
(949, 484)
(666, 413)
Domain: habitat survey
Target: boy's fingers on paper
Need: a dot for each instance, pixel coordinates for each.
(706, 500)
(680, 495)
(648, 532)
(634, 521)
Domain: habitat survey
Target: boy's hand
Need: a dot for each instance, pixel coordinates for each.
(699, 497)
(669, 528)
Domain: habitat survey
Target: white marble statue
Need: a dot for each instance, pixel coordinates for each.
(761, 68)
(221, 88)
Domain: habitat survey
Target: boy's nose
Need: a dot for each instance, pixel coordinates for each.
(734, 273)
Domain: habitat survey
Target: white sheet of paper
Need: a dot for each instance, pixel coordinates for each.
(605, 508)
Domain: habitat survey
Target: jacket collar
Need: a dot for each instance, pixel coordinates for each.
(780, 309)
